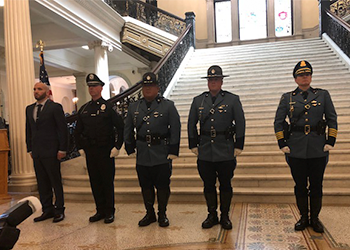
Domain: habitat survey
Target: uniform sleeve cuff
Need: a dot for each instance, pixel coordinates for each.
(239, 143)
(193, 143)
(174, 149)
(282, 143)
(331, 141)
(129, 148)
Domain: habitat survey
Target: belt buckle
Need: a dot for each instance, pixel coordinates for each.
(148, 138)
(307, 129)
(213, 133)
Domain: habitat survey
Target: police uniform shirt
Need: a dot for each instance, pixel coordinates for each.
(160, 118)
(219, 116)
(306, 112)
(99, 124)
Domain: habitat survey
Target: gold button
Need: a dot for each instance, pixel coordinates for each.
(212, 141)
(212, 119)
(306, 120)
(305, 113)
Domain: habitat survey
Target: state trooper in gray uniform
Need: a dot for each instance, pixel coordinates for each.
(220, 139)
(152, 128)
(305, 143)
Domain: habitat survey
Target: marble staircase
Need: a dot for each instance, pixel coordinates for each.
(259, 74)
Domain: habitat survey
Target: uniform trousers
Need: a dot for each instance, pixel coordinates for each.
(48, 176)
(101, 169)
(223, 170)
(307, 170)
(154, 176)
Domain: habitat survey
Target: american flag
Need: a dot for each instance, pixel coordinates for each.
(43, 76)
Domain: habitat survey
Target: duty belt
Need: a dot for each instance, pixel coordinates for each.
(306, 129)
(153, 139)
(213, 133)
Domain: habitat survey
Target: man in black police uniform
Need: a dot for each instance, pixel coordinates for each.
(221, 138)
(305, 143)
(157, 125)
(99, 136)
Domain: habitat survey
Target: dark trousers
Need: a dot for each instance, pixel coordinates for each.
(48, 176)
(308, 175)
(223, 170)
(101, 169)
(154, 176)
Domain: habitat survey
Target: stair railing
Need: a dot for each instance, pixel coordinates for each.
(149, 14)
(338, 30)
(165, 68)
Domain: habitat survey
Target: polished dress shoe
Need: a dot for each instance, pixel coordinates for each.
(109, 218)
(58, 218)
(316, 225)
(163, 220)
(96, 217)
(44, 216)
(148, 219)
(210, 221)
(225, 222)
(301, 224)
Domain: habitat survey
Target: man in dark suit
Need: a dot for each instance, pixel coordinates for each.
(220, 140)
(46, 138)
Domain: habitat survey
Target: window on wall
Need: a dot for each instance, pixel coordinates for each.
(283, 17)
(252, 19)
(223, 21)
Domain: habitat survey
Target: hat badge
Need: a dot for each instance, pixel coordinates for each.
(91, 76)
(213, 71)
(302, 64)
(148, 78)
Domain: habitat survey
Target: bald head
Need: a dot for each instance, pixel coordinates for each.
(41, 91)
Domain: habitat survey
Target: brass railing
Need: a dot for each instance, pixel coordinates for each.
(149, 14)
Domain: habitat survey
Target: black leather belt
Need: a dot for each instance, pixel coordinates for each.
(306, 129)
(152, 138)
(213, 133)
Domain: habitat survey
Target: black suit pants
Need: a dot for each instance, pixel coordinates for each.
(210, 171)
(308, 175)
(48, 176)
(101, 169)
(154, 176)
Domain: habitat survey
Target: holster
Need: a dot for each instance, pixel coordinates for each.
(321, 127)
(287, 128)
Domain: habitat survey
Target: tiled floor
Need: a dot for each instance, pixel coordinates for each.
(256, 226)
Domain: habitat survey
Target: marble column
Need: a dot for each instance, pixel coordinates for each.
(20, 81)
(297, 19)
(101, 64)
(210, 23)
(82, 89)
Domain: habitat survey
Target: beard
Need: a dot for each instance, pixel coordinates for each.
(40, 97)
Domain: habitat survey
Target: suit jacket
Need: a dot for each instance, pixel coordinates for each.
(49, 134)
(225, 112)
(310, 111)
(160, 118)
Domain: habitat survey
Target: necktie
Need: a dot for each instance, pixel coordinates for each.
(38, 111)
(304, 94)
(213, 99)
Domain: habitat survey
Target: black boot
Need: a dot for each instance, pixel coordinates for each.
(225, 203)
(163, 197)
(148, 199)
(315, 208)
(303, 206)
(212, 204)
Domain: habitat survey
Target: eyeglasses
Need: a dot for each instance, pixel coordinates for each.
(304, 74)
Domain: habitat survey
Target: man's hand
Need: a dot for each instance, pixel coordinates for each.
(327, 148)
(82, 153)
(132, 155)
(172, 157)
(114, 153)
(285, 150)
(60, 155)
(237, 152)
(195, 151)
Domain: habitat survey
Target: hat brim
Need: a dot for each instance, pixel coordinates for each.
(216, 76)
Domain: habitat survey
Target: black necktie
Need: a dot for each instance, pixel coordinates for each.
(213, 99)
(304, 94)
(38, 111)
